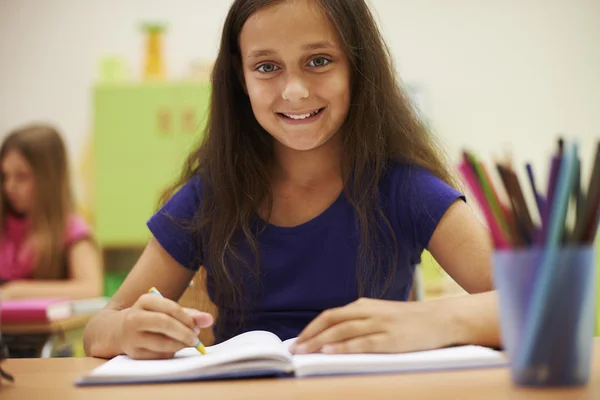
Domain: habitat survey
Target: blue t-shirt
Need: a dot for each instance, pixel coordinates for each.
(311, 267)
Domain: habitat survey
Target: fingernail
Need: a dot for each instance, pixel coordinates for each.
(301, 349)
(327, 349)
(196, 331)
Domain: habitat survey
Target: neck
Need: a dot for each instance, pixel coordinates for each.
(308, 168)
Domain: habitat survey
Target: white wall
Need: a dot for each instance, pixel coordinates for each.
(496, 73)
(502, 74)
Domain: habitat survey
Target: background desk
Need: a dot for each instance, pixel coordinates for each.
(53, 379)
(46, 339)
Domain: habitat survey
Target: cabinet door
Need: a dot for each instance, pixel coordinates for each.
(193, 100)
(190, 115)
(142, 136)
(129, 124)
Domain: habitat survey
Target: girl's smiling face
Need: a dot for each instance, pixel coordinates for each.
(296, 73)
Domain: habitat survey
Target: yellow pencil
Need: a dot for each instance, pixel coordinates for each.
(199, 346)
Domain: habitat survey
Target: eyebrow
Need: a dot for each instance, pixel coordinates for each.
(311, 46)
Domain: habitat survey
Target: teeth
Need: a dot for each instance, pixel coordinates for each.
(303, 116)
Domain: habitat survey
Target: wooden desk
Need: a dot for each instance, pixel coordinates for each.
(46, 339)
(54, 378)
(74, 322)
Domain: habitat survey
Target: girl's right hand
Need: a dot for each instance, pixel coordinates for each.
(156, 327)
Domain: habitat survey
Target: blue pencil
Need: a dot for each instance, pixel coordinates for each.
(554, 170)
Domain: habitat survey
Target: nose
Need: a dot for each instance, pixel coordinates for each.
(296, 89)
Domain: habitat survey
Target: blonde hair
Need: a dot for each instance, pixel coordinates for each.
(44, 150)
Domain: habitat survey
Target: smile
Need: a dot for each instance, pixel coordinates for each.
(301, 117)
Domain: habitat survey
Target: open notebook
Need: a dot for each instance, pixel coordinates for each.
(261, 353)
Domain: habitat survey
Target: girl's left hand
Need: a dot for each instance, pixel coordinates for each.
(378, 326)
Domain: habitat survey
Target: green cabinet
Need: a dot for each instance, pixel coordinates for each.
(142, 135)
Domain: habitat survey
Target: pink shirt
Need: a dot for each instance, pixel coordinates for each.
(16, 260)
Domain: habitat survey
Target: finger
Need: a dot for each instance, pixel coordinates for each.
(159, 323)
(331, 317)
(145, 354)
(374, 343)
(337, 333)
(158, 343)
(152, 302)
(201, 319)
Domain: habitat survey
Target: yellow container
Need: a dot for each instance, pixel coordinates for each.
(154, 65)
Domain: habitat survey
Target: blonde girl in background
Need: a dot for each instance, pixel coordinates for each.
(46, 249)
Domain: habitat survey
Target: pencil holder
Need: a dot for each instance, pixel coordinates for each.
(562, 329)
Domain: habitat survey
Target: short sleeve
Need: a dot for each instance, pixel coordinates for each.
(423, 199)
(77, 229)
(171, 225)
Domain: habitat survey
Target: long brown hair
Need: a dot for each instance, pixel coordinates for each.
(44, 150)
(236, 153)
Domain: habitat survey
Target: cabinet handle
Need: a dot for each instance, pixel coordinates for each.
(164, 121)
(189, 123)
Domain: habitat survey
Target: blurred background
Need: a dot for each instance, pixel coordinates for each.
(126, 84)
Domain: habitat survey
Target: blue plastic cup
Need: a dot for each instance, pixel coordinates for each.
(561, 351)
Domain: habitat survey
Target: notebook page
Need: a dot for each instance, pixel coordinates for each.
(247, 346)
(288, 343)
(453, 357)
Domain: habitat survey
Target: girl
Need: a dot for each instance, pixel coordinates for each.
(308, 204)
(45, 249)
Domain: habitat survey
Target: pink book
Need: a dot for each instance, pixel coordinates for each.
(35, 310)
